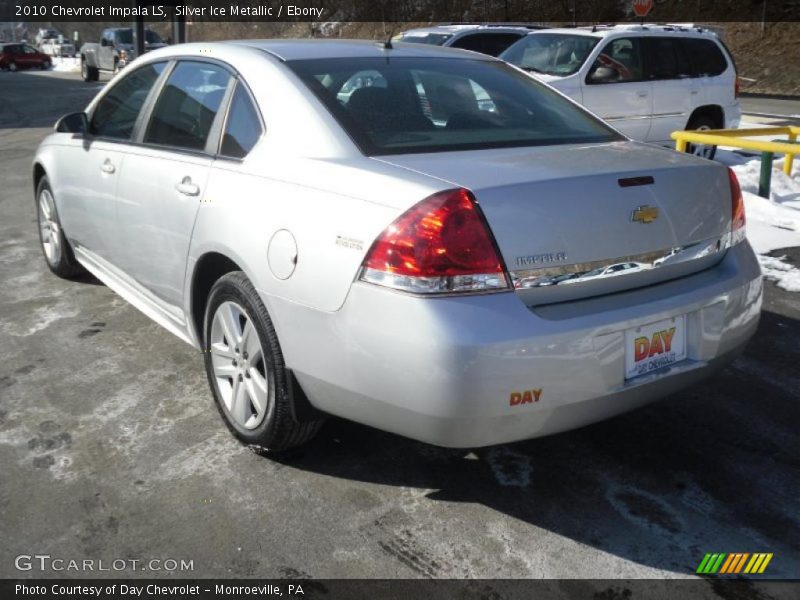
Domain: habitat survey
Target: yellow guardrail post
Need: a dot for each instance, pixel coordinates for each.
(738, 139)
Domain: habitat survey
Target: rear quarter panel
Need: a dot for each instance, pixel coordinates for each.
(307, 177)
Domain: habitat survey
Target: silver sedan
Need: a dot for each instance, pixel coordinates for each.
(420, 239)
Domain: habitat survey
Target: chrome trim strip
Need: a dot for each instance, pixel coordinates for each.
(663, 115)
(642, 117)
(628, 118)
(603, 269)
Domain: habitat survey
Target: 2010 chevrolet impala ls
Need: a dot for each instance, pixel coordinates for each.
(424, 240)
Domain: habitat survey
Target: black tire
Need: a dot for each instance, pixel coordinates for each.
(89, 73)
(702, 122)
(12, 66)
(65, 265)
(46, 65)
(278, 430)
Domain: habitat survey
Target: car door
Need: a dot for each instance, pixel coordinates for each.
(31, 56)
(105, 54)
(14, 52)
(625, 101)
(675, 91)
(165, 177)
(22, 57)
(95, 162)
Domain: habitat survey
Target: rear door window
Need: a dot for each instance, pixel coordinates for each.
(666, 59)
(187, 106)
(243, 126)
(624, 55)
(116, 113)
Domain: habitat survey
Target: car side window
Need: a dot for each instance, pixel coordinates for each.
(492, 44)
(624, 55)
(706, 57)
(667, 59)
(116, 114)
(243, 127)
(186, 107)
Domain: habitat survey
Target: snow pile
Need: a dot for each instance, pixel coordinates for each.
(783, 273)
(64, 63)
(772, 223)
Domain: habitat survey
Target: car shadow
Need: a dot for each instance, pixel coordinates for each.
(86, 278)
(712, 469)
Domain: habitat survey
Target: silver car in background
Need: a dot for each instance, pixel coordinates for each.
(420, 239)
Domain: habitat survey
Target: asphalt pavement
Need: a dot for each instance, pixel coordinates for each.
(111, 448)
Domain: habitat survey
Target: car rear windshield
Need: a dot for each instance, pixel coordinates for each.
(125, 36)
(402, 105)
(551, 53)
(425, 37)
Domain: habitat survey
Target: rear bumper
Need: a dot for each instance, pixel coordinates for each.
(442, 370)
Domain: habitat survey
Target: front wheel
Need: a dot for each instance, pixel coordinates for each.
(46, 65)
(12, 66)
(56, 248)
(245, 368)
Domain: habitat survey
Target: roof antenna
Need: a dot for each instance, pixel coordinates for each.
(387, 45)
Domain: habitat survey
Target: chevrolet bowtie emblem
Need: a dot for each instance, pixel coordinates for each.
(645, 214)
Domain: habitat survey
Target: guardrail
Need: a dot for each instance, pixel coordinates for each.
(736, 138)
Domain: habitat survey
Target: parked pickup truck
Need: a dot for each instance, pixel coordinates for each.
(115, 50)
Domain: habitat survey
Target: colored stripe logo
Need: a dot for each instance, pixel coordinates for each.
(721, 563)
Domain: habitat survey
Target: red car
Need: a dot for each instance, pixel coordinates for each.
(22, 56)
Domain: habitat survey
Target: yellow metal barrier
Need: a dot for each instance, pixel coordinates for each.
(735, 137)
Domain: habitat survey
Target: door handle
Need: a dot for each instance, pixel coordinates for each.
(107, 166)
(694, 92)
(641, 93)
(187, 188)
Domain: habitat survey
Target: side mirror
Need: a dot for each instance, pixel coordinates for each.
(604, 75)
(105, 42)
(73, 123)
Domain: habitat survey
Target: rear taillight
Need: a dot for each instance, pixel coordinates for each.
(737, 209)
(736, 86)
(441, 245)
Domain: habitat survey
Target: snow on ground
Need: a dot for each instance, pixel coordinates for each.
(772, 223)
(65, 63)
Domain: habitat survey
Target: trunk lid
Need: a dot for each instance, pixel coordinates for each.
(578, 221)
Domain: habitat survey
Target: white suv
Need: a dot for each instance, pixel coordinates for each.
(646, 80)
(491, 38)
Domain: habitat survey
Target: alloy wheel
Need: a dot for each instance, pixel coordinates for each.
(238, 364)
(48, 225)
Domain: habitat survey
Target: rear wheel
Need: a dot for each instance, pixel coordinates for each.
(12, 66)
(702, 123)
(57, 251)
(88, 73)
(245, 368)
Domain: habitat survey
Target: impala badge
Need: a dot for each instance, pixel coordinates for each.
(645, 214)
